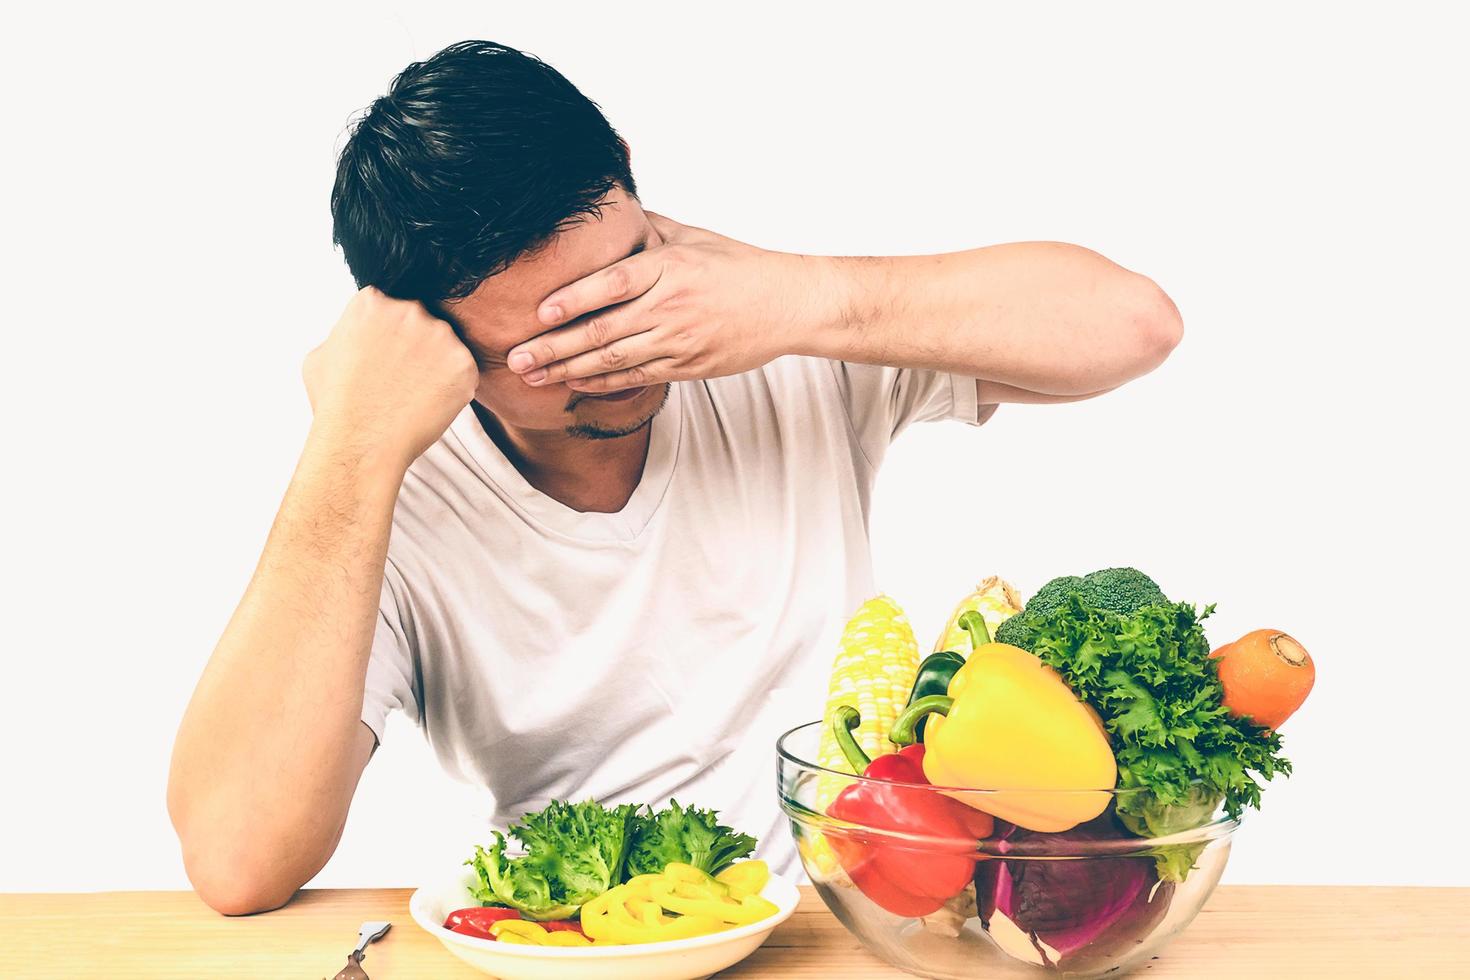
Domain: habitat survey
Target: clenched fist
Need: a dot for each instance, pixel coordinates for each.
(389, 379)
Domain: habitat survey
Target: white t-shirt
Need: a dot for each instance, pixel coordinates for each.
(661, 650)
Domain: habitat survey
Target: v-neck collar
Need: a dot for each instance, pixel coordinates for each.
(537, 508)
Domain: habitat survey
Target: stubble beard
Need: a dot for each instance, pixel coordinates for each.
(593, 431)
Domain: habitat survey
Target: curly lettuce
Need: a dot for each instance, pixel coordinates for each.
(687, 836)
(1180, 752)
(573, 853)
(576, 851)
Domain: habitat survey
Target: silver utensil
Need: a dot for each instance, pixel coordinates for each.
(370, 932)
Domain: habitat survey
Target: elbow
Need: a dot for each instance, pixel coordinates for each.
(230, 878)
(1160, 323)
(235, 888)
(1153, 325)
(234, 900)
(240, 862)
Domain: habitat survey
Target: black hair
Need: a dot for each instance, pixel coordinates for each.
(475, 157)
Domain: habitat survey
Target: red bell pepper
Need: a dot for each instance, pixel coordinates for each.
(906, 879)
(477, 921)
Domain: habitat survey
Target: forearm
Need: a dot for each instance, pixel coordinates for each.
(271, 745)
(1043, 317)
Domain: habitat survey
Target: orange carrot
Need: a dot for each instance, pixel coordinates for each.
(1266, 675)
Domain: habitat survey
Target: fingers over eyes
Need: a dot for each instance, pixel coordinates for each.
(617, 283)
(651, 372)
(619, 355)
(588, 334)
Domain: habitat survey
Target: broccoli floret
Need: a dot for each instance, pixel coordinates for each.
(1120, 590)
(1054, 594)
(1017, 632)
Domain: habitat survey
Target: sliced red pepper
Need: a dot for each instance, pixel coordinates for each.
(906, 880)
(477, 921)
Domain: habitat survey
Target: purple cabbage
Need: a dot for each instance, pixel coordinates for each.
(1079, 906)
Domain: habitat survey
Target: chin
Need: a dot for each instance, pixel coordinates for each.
(619, 415)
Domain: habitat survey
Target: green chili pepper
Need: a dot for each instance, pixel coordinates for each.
(933, 678)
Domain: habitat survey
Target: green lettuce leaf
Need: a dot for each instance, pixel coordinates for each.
(687, 836)
(573, 853)
(1145, 816)
(1151, 679)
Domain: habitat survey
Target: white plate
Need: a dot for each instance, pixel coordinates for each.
(678, 959)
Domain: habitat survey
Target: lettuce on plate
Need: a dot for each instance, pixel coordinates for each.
(684, 835)
(573, 853)
(576, 851)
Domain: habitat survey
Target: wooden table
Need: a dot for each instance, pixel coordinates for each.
(1243, 932)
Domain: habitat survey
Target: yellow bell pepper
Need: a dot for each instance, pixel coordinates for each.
(1013, 726)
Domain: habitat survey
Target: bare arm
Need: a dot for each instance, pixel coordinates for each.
(996, 393)
(1033, 321)
(271, 747)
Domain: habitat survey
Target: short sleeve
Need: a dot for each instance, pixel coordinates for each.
(882, 401)
(390, 669)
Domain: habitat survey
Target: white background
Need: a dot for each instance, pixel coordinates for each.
(1293, 175)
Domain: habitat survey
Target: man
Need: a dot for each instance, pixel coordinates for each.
(631, 461)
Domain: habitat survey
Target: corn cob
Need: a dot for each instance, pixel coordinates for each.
(995, 599)
(873, 672)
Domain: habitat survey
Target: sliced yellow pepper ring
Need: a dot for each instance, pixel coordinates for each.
(634, 912)
(750, 909)
(600, 904)
(645, 910)
(689, 875)
(597, 927)
(518, 927)
(595, 913)
(684, 927)
(759, 906)
(745, 878)
(515, 939)
(565, 937)
(628, 920)
(647, 915)
(638, 884)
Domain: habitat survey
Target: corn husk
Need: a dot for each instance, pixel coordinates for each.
(995, 599)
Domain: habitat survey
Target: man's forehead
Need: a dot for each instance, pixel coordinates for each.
(504, 305)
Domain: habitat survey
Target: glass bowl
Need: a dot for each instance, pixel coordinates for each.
(1085, 902)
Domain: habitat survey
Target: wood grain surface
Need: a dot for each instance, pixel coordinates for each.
(1244, 931)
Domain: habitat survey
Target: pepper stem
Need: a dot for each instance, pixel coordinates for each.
(974, 624)
(844, 720)
(903, 727)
